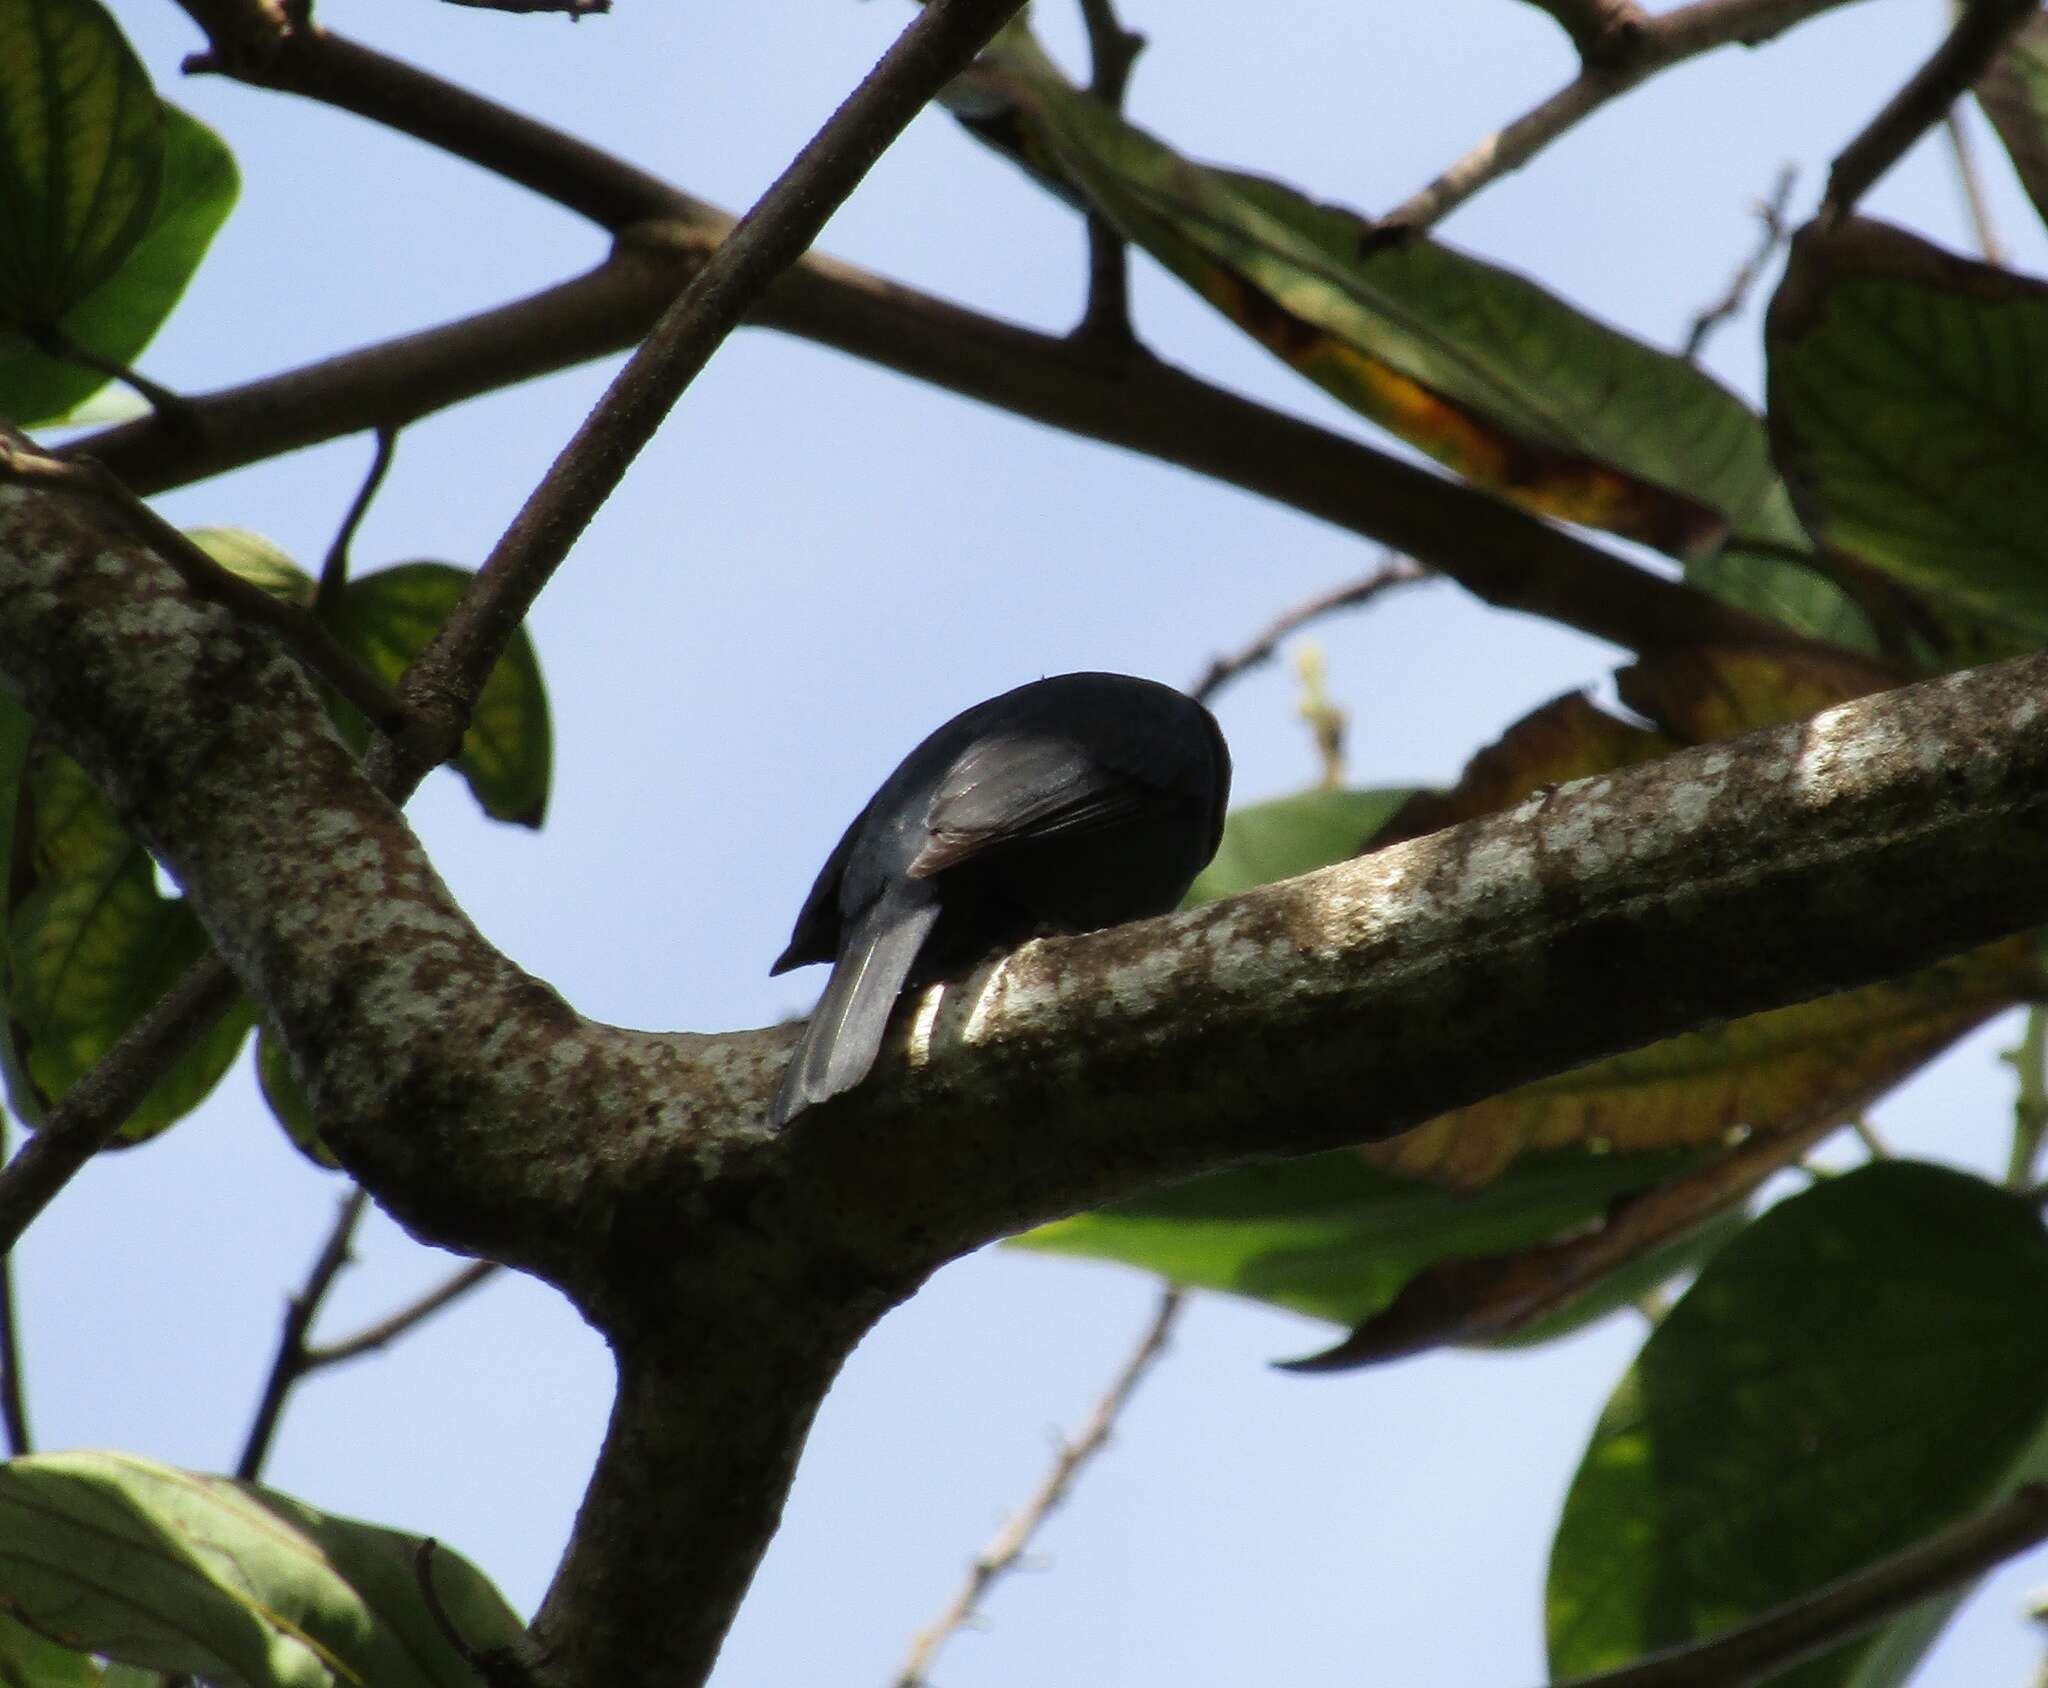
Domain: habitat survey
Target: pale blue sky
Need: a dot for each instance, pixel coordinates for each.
(814, 564)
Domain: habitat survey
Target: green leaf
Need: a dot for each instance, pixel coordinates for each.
(287, 1100)
(81, 155)
(120, 316)
(1263, 842)
(239, 1585)
(91, 946)
(1495, 377)
(29, 1661)
(1330, 1236)
(1909, 409)
(1783, 589)
(1863, 1365)
(2014, 95)
(387, 619)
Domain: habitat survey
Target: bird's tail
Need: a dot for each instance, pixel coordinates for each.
(840, 1044)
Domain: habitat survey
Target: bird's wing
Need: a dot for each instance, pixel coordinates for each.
(1018, 790)
(816, 937)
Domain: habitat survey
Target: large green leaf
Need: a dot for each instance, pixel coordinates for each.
(1263, 842)
(388, 617)
(92, 944)
(1864, 1364)
(2014, 95)
(239, 1585)
(1497, 378)
(117, 318)
(1909, 409)
(81, 155)
(1330, 1236)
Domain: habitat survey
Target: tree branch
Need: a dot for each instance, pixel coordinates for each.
(1983, 28)
(1634, 56)
(334, 570)
(1605, 32)
(1771, 213)
(1499, 553)
(1112, 51)
(1395, 571)
(13, 1394)
(445, 680)
(289, 1363)
(251, 41)
(390, 1328)
(1802, 1628)
(1003, 1554)
(1601, 916)
(94, 1108)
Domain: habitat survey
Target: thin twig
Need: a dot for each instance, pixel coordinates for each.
(1003, 1553)
(1846, 1608)
(22, 461)
(1873, 1143)
(1971, 180)
(1395, 571)
(1112, 51)
(334, 571)
(1664, 40)
(391, 1328)
(289, 1363)
(54, 343)
(13, 1394)
(94, 1108)
(1980, 32)
(939, 43)
(1772, 213)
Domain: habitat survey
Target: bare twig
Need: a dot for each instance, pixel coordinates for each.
(1112, 50)
(1772, 214)
(13, 1395)
(1662, 41)
(1003, 1553)
(1846, 1608)
(391, 1328)
(21, 460)
(334, 571)
(289, 1363)
(1980, 31)
(1971, 180)
(939, 43)
(1395, 571)
(94, 1108)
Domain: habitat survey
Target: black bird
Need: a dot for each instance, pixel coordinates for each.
(1081, 801)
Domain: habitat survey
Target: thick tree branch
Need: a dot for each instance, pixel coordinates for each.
(1983, 28)
(1631, 54)
(445, 680)
(732, 1268)
(1502, 555)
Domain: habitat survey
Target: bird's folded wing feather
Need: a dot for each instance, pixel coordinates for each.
(1017, 791)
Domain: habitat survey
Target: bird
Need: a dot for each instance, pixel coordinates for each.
(1072, 803)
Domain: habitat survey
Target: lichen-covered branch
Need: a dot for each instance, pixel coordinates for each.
(733, 1268)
